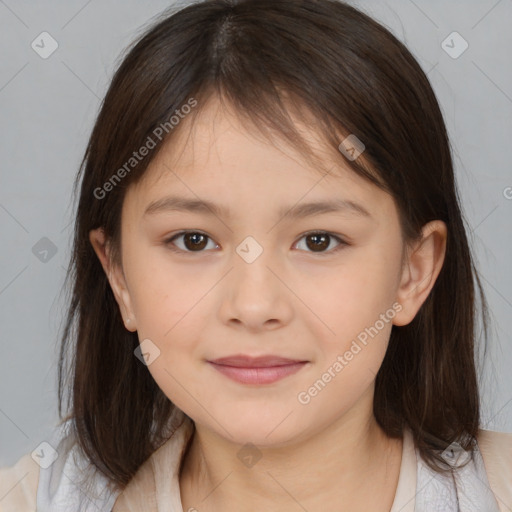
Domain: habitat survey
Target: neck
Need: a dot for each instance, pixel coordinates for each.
(349, 465)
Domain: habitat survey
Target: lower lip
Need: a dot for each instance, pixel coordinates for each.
(258, 375)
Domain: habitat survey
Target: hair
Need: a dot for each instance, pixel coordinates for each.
(340, 71)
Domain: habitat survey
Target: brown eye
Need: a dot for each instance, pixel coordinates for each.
(320, 241)
(193, 241)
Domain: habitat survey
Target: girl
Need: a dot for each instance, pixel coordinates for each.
(273, 294)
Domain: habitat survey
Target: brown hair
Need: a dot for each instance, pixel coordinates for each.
(350, 75)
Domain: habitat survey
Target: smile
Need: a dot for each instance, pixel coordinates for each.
(258, 375)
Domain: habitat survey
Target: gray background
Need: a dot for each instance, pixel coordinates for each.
(47, 110)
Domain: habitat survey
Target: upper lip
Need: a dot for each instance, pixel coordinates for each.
(243, 361)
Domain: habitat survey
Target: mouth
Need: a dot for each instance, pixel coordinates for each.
(257, 370)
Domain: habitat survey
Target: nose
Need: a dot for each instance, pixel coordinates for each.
(255, 295)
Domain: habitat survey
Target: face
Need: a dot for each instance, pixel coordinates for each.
(256, 277)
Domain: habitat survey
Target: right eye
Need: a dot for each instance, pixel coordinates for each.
(193, 241)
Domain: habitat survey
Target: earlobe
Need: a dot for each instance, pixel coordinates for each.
(115, 277)
(420, 271)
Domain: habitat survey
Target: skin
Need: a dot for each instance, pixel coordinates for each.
(291, 301)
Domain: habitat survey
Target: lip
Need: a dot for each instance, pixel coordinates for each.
(257, 370)
(244, 361)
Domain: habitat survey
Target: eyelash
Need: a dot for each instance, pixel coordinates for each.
(342, 243)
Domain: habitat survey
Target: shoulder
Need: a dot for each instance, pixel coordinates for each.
(61, 480)
(496, 450)
(140, 493)
(18, 485)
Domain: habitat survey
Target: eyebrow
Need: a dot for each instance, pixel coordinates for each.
(183, 204)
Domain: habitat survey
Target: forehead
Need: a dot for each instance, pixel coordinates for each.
(219, 157)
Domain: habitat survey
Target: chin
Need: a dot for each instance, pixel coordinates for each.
(261, 428)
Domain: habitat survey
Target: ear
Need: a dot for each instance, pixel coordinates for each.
(421, 268)
(115, 277)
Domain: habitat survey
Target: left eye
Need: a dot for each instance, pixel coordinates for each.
(195, 241)
(320, 240)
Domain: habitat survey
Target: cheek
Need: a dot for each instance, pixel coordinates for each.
(357, 306)
(170, 306)
(166, 297)
(352, 296)
(358, 310)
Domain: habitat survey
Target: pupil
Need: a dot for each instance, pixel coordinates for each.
(319, 238)
(193, 237)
